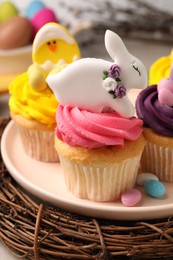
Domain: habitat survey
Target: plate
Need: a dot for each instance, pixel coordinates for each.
(45, 180)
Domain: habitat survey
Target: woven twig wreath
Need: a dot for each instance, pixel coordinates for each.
(36, 231)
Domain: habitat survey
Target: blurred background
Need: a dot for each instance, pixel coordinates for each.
(144, 19)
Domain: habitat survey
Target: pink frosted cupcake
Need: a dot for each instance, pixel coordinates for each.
(98, 139)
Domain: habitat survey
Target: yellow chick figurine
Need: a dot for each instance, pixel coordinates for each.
(53, 46)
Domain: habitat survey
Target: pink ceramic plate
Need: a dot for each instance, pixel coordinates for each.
(45, 180)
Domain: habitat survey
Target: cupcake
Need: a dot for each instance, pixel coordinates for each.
(32, 103)
(154, 106)
(160, 69)
(97, 137)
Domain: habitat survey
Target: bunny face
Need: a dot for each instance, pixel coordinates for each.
(133, 71)
(96, 84)
(134, 74)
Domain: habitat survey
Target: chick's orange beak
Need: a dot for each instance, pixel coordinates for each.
(52, 47)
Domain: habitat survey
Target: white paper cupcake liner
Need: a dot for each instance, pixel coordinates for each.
(39, 144)
(158, 160)
(100, 183)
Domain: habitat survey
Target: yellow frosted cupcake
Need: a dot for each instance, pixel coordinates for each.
(154, 106)
(32, 103)
(160, 69)
(97, 137)
(34, 114)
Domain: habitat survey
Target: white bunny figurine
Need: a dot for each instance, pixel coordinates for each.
(96, 84)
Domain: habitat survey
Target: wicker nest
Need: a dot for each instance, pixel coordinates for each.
(36, 231)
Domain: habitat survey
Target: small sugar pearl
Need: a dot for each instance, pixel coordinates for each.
(131, 197)
(145, 176)
(154, 188)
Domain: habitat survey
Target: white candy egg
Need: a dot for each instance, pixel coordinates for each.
(145, 176)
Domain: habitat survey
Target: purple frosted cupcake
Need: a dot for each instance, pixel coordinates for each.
(154, 106)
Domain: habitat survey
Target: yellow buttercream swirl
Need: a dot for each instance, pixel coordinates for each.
(160, 69)
(31, 103)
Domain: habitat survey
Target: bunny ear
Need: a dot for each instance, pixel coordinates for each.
(115, 46)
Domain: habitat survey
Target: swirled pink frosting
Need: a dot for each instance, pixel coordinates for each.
(91, 130)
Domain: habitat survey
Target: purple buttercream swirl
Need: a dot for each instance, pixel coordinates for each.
(156, 116)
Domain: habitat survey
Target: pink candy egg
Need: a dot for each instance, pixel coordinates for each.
(131, 197)
(42, 17)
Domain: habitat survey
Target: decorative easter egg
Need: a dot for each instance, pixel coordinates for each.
(42, 17)
(145, 176)
(15, 33)
(33, 8)
(154, 188)
(131, 197)
(54, 45)
(36, 77)
(7, 11)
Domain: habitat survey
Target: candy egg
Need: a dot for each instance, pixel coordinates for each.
(154, 188)
(15, 33)
(145, 176)
(131, 197)
(7, 11)
(33, 8)
(42, 17)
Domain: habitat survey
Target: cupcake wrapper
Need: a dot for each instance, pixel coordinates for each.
(39, 144)
(158, 160)
(100, 183)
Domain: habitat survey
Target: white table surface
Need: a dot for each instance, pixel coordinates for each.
(147, 52)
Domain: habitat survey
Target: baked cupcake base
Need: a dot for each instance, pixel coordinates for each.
(100, 174)
(37, 139)
(158, 155)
